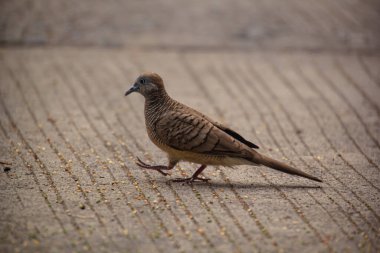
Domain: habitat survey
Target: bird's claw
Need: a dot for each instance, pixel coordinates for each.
(190, 180)
(163, 173)
(141, 163)
(147, 166)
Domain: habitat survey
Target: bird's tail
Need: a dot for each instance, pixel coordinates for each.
(277, 165)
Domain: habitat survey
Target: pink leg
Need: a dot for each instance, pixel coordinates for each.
(158, 168)
(194, 177)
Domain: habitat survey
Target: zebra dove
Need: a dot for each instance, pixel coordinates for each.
(187, 135)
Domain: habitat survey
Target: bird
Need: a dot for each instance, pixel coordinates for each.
(186, 134)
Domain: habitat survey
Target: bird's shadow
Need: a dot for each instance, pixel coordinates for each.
(238, 185)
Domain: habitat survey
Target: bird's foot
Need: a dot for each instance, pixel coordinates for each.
(190, 180)
(157, 168)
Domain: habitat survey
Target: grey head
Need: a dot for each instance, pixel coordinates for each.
(147, 84)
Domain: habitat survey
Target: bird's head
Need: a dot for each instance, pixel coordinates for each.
(147, 84)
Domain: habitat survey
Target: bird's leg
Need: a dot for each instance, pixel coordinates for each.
(158, 168)
(194, 177)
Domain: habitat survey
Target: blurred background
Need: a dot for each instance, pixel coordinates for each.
(294, 24)
(299, 78)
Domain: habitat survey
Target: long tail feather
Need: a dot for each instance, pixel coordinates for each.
(277, 165)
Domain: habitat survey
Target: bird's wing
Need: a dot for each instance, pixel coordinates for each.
(193, 133)
(225, 129)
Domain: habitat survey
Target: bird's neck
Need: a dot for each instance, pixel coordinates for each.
(157, 97)
(157, 103)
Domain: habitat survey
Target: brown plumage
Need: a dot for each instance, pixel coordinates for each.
(187, 135)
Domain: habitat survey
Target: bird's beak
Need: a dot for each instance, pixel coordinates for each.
(132, 89)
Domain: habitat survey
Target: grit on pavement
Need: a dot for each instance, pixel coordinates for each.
(301, 79)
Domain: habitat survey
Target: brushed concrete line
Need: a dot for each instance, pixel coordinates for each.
(197, 81)
(230, 74)
(67, 164)
(310, 152)
(40, 162)
(343, 97)
(328, 103)
(291, 146)
(265, 102)
(235, 220)
(126, 170)
(283, 79)
(349, 237)
(14, 187)
(349, 165)
(29, 166)
(301, 215)
(334, 148)
(245, 113)
(250, 212)
(233, 217)
(14, 176)
(68, 144)
(260, 95)
(354, 83)
(12, 122)
(73, 151)
(217, 221)
(332, 85)
(235, 98)
(314, 157)
(14, 157)
(265, 84)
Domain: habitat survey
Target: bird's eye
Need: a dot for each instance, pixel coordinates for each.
(142, 81)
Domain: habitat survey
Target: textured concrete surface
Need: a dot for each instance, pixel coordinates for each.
(301, 79)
